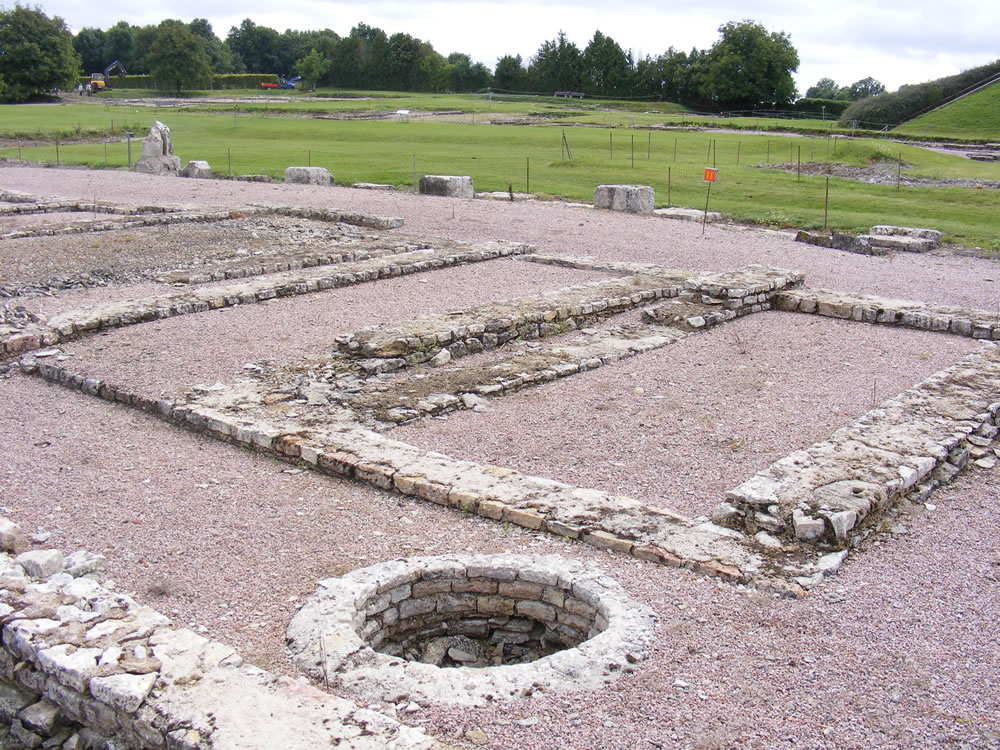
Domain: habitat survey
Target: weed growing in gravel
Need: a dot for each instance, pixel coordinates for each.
(161, 589)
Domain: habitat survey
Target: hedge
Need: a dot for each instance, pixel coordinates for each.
(898, 107)
(834, 107)
(233, 81)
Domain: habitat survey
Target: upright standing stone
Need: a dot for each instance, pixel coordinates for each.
(158, 152)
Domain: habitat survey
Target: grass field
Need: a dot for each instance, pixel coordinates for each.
(498, 156)
(976, 116)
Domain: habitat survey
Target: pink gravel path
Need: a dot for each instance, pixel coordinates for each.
(898, 651)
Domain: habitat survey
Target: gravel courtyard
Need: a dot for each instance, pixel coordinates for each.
(898, 650)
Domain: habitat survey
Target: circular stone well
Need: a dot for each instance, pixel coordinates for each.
(469, 629)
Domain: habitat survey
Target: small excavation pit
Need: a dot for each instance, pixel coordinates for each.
(483, 617)
(469, 629)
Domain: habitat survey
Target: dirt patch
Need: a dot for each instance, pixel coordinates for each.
(880, 173)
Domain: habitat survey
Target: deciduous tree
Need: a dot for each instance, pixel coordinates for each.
(312, 68)
(750, 67)
(36, 53)
(510, 74)
(825, 88)
(89, 45)
(864, 88)
(178, 57)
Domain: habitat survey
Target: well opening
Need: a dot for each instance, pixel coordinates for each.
(477, 617)
(396, 630)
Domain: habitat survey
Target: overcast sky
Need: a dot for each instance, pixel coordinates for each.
(893, 41)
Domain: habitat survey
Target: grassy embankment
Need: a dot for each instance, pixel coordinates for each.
(497, 156)
(973, 117)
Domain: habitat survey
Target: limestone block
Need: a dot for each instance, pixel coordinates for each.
(933, 235)
(157, 143)
(806, 527)
(843, 522)
(43, 717)
(81, 563)
(198, 169)
(308, 176)
(69, 665)
(688, 214)
(14, 699)
(161, 165)
(10, 532)
(636, 199)
(830, 564)
(448, 186)
(40, 563)
(125, 692)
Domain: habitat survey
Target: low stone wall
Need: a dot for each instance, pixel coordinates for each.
(348, 450)
(908, 446)
(84, 666)
(880, 241)
(977, 324)
(75, 323)
(710, 299)
(455, 391)
(147, 216)
(390, 348)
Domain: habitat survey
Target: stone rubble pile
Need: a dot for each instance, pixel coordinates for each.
(881, 240)
(85, 667)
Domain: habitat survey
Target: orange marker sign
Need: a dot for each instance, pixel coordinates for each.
(710, 173)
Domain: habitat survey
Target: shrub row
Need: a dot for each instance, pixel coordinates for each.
(900, 106)
(834, 107)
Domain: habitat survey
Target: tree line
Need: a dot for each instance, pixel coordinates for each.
(748, 67)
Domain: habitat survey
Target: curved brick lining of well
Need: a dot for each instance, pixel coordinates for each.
(571, 627)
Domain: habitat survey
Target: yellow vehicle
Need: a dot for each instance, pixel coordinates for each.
(100, 81)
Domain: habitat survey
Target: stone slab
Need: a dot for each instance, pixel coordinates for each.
(447, 186)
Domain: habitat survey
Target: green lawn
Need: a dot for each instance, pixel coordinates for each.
(974, 117)
(497, 156)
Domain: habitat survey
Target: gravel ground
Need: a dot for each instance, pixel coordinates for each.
(681, 425)
(898, 651)
(139, 253)
(554, 227)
